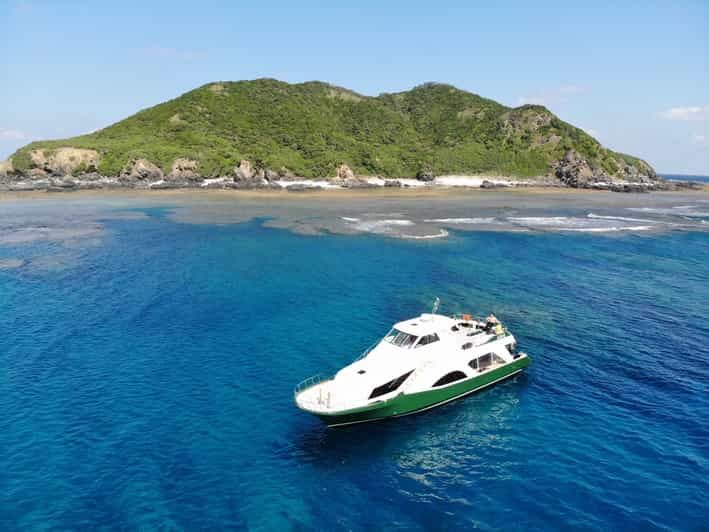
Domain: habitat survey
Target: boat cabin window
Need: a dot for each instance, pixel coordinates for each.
(428, 339)
(449, 377)
(390, 386)
(485, 361)
(400, 339)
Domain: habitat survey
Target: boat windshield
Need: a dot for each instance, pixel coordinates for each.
(400, 339)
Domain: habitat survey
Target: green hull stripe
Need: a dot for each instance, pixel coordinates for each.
(406, 404)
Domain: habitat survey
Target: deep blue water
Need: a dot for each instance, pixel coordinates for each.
(149, 383)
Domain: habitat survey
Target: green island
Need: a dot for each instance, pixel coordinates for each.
(264, 129)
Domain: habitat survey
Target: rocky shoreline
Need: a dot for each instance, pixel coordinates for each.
(77, 171)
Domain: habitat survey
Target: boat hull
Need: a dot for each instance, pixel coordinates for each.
(405, 404)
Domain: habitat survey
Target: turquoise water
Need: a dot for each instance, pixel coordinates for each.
(148, 368)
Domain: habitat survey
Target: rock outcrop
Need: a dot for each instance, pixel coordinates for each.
(244, 172)
(142, 169)
(577, 171)
(6, 168)
(425, 175)
(184, 169)
(247, 175)
(344, 172)
(574, 170)
(65, 161)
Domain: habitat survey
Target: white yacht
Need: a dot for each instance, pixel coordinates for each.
(421, 363)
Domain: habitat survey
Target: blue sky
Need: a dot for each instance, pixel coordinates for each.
(633, 74)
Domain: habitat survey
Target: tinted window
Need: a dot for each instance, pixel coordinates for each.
(428, 339)
(390, 386)
(450, 377)
(400, 339)
(485, 361)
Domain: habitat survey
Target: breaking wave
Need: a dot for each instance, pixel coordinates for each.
(462, 220)
(441, 234)
(565, 223)
(679, 210)
(622, 218)
(386, 226)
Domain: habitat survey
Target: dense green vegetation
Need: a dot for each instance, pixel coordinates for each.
(311, 128)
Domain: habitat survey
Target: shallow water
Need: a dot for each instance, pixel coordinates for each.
(150, 346)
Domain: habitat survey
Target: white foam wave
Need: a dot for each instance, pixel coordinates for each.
(609, 229)
(679, 210)
(621, 218)
(380, 226)
(462, 220)
(584, 225)
(348, 219)
(543, 220)
(308, 183)
(441, 234)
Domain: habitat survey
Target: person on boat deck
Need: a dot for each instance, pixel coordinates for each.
(492, 324)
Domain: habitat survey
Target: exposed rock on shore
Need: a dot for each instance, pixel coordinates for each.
(184, 169)
(344, 172)
(243, 172)
(142, 169)
(6, 168)
(425, 175)
(577, 171)
(65, 161)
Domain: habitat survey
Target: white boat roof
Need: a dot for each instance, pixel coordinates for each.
(425, 324)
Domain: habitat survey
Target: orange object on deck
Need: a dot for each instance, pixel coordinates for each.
(467, 317)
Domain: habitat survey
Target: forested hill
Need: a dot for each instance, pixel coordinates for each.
(310, 129)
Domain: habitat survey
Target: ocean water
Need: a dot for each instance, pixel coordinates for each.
(149, 352)
(683, 177)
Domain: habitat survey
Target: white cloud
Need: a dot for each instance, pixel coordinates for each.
(14, 134)
(692, 112)
(553, 95)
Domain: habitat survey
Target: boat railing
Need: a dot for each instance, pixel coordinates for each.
(367, 351)
(310, 382)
